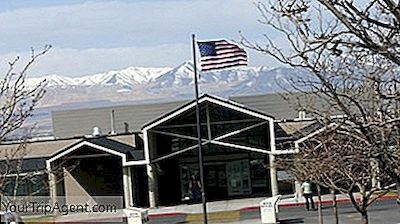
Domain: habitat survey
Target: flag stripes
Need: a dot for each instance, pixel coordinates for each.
(220, 54)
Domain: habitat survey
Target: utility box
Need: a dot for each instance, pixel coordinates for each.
(269, 210)
(136, 216)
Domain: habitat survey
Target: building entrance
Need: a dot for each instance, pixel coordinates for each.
(215, 181)
(221, 179)
(238, 175)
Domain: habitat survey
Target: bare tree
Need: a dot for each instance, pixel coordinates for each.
(351, 51)
(341, 162)
(17, 102)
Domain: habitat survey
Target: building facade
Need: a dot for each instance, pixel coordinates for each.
(148, 154)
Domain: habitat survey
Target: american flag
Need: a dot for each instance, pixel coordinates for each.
(220, 54)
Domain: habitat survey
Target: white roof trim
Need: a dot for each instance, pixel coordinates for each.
(98, 147)
(298, 141)
(212, 100)
(240, 147)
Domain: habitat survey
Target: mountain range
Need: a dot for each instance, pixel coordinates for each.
(138, 84)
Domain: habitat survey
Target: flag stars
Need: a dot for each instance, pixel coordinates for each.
(207, 49)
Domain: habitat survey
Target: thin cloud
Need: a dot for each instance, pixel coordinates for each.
(122, 24)
(74, 62)
(99, 36)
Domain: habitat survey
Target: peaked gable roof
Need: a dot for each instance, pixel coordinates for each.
(129, 154)
(207, 98)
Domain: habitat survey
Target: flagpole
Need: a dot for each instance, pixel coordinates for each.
(196, 86)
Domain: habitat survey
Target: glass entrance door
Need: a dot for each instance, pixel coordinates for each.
(222, 179)
(214, 178)
(215, 181)
(238, 176)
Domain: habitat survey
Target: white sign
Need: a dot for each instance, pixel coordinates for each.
(269, 210)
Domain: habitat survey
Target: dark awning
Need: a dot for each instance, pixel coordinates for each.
(130, 155)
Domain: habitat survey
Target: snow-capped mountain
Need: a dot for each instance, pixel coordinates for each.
(127, 77)
(51, 80)
(138, 84)
(183, 76)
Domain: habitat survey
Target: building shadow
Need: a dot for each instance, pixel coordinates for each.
(291, 221)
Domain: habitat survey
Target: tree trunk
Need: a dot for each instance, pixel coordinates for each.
(364, 217)
(360, 206)
(334, 205)
(320, 218)
(363, 206)
(398, 192)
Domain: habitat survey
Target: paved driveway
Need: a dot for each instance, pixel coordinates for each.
(382, 212)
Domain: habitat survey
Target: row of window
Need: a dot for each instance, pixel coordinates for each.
(23, 185)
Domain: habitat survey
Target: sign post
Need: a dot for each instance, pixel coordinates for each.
(269, 210)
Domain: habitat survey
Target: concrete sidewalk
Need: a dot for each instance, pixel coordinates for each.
(229, 210)
(236, 204)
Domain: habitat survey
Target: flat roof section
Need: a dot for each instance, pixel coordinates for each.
(134, 117)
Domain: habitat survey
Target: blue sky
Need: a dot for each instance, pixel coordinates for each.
(96, 36)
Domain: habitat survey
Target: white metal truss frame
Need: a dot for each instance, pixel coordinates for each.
(228, 104)
(216, 140)
(309, 136)
(178, 152)
(204, 123)
(176, 135)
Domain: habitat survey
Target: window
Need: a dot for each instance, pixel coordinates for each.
(34, 185)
